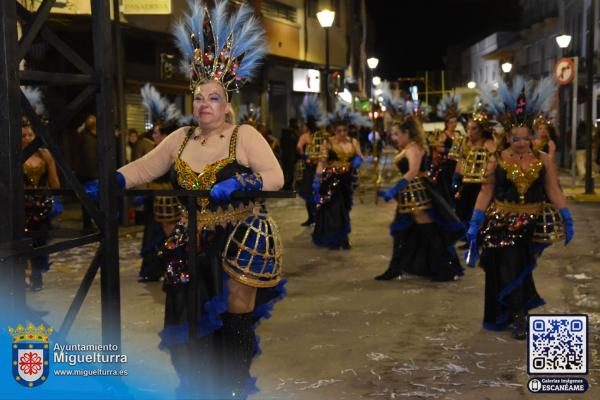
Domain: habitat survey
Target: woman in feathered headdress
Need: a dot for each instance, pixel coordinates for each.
(472, 158)
(162, 212)
(333, 184)
(239, 255)
(545, 139)
(511, 223)
(39, 171)
(424, 227)
(443, 164)
(309, 150)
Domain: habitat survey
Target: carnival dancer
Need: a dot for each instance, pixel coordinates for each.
(239, 257)
(162, 212)
(471, 168)
(545, 135)
(309, 150)
(510, 211)
(425, 227)
(333, 182)
(444, 160)
(39, 171)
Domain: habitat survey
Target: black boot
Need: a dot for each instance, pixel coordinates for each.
(310, 209)
(239, 343)
(520, 326)
(394, 269)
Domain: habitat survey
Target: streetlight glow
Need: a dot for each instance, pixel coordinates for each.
(506, 67)
(376, 81)
(471, 85)
(326, 18)
(563, 40)
(372, 62)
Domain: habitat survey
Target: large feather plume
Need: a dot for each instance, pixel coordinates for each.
(247, 35)
(344, 114)
(312, 107)
(159, 107)
(449, 104)
(34, 96)
(502, 102)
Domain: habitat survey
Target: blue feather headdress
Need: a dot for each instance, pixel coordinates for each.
(249, 114)
(34, 96)
(187, 120)
(312, 109)
(220, 47)
(449, 106)
(345, 116)
(521, 104)
(161, 111)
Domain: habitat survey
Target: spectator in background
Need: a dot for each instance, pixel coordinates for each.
(289, 138)
(138, 146)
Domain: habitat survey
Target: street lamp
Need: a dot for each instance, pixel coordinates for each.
(372, 62)
(376, 81)
(506, 67)
(563, 40)
(326, 18)
(471, 85)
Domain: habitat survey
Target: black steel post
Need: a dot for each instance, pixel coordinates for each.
(327, 99)
(109, 273)
(590, 100)
(120, 92)
(12, 271)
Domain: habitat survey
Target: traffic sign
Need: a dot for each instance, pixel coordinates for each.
(564, 70)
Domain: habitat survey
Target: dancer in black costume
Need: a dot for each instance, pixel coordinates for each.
(424, 228)
(510, 210)
(309, 150)
(39, 171)
(238, 269)
(333, 188)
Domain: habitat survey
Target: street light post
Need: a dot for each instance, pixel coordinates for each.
(326, 18)
(589, 103)
(563, 42)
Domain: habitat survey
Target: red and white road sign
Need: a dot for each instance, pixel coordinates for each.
(564, 70)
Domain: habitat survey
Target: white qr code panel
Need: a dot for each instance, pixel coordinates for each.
(557, 344)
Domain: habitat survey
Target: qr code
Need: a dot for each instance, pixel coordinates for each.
(557, 344)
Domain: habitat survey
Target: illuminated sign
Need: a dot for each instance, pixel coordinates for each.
(146, 7)
(307, 80)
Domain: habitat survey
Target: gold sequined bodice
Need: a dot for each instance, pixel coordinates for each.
(33, 174)
(340, 158)
(189, 179)
(521, 179)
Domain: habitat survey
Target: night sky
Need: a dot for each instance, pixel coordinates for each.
(413, 35)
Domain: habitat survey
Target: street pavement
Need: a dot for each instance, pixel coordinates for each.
(340, 334)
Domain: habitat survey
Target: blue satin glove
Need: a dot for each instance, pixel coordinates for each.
(357, 162)
(472, 254)
(568, 220)
(456, 181)
(316, 188)
(57, 207)
(394, 190)
(92, 188)
(222, 191)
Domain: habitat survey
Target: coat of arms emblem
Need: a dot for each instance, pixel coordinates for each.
(30, 354)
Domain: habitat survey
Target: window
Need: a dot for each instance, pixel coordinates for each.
(275, 9)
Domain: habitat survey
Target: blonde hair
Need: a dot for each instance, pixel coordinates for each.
(415, 132)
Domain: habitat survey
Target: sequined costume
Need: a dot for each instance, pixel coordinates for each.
(38, 209)
(224, 229)
(332, 225)
(473, 168)
(424, 249)
(509, 251)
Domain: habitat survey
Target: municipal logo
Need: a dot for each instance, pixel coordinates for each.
(30, 354)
